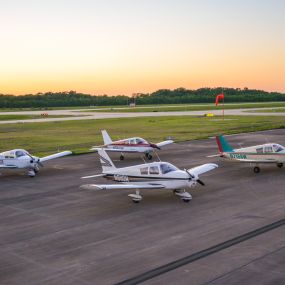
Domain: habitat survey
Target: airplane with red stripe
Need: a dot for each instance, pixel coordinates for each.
(131, 145)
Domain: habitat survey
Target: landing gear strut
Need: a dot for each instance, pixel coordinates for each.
(280, 165)
(256, 169)
(122, 157)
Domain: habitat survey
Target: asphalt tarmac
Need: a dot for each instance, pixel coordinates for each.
(53, 232)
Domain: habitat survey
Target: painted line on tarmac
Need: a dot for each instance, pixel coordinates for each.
(200, 254)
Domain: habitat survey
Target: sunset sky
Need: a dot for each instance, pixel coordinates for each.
(129, 46)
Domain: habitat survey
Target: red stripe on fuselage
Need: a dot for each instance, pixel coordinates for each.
(130, 145)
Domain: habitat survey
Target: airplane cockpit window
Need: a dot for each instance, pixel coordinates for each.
(144, 171)
(166, 168)
(268, 149)
(278, 148)
(19, 153)
(154, 170)
(9, 154)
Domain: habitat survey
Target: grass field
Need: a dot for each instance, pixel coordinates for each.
(188, 107)
(26, 117)
(79, 136)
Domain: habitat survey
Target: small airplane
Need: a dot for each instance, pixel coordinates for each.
(20, 158)
(154, 175)
(259, 154)
(132, 145)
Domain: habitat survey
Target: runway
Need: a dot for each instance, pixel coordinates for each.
(77, 114)
(52, 232)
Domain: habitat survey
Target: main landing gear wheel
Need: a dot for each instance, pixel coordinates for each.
(256, 169)
(136, 197)
(148, 156)
(280, 165)
(186, 200)
(122, 157)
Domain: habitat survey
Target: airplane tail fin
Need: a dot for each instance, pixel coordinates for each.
(106, 138)
(223, 144)
(106, 162)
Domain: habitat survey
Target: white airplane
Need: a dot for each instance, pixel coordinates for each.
(265, 153)
(20, 158)
(155, 175)
(131, 145)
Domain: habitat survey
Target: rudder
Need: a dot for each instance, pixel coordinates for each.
(223, 144)
(106, 138)
(106, 162)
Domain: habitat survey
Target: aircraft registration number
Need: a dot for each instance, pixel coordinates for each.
(238, 156)
(121, 178)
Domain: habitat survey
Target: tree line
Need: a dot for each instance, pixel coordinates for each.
(162, 96)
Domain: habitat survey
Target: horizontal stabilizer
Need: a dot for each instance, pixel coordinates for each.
(214, 155)
(93, 176)
(56, 155)
(164, 143)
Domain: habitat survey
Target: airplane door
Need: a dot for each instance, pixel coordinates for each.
(133, 143)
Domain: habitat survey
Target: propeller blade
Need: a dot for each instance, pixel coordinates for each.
(200, 182)
(192, 177)
(153, 145)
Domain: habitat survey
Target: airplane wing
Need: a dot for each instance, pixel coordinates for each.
(196, 171)
(123, 186)
(164, 143)
(8, 166)
(56, 155)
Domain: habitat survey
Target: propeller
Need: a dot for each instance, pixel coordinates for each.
(192, 177)
(153, 145)
(35, 160)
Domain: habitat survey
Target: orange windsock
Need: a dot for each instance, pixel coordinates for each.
(220, 97)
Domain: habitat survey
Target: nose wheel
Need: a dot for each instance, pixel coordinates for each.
(31, 173)
(122, 157)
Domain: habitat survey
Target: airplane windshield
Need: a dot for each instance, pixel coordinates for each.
(166, 168)
(278, 148)
(19, 153)
(140, 141)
